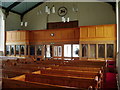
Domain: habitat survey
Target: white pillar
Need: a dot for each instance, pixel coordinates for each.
(1, 41)
(2, 31)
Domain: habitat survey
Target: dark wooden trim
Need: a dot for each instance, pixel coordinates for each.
(58, 25)
(13, 5)
(11, 10)
(32, 8)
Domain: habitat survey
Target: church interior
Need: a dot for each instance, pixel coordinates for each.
(59, 44)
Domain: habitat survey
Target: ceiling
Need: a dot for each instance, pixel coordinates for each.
(21, 7)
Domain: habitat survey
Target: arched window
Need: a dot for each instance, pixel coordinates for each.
(2, 32)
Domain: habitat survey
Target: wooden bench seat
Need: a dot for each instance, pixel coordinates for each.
(13, 73)
(59, 72)
(85, 63)
(15, 84)
(78, 82)
(76, 68)
(21, 68)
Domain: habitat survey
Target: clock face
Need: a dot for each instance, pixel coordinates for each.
(62, 11)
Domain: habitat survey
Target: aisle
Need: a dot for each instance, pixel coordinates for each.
(111, 82)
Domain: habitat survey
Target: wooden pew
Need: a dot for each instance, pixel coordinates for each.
(76, 68)
(83, 63)
(59, 72)
(17, 84)
(78, 82)
(13, 73)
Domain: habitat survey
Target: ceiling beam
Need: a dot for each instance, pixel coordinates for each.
(32, 8)
(10, 10)
(13, 5)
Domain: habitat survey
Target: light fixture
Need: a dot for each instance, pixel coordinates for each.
(52, 34)
(46, 9)
(75, 8)
(49, 10)
(53, 9)
(26, 23)
(65, 19)
(22, 23)
(68, 19)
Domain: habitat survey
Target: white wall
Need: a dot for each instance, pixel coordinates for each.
(12, 22)
(90, 13)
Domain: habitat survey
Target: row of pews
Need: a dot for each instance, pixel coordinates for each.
(76, 74)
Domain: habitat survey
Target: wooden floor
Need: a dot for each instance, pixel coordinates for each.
(76, 74)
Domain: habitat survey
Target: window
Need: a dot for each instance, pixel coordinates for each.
(48, 51)
(22, 49)
(92, 50)
(75, 50)
(39, 50)
(17, 49)
(7, 50)
(58, 51)
(55, 51)
(67, 50)
(110, 50)
(101, 51)
(12, 50)
(84, 50)
(32, 50)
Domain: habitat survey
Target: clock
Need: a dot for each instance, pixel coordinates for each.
(62, 11)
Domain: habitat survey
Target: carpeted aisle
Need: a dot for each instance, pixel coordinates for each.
(111, 82)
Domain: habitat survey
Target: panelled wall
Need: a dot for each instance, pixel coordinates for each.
(54, 35)
(98, 33)
(93, 42)
(17, 37)
(98, 37)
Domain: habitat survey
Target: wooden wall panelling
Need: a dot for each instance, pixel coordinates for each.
(13, 36)
(27, 36)
(31, 36)
(42, 36)
(92, 31)
(57, 25)
(17, 37)
(76, 33)
(83, 32)
(109, 31)
(63, 35)
(100, 31)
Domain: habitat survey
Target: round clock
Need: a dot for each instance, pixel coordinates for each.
(62, 11)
